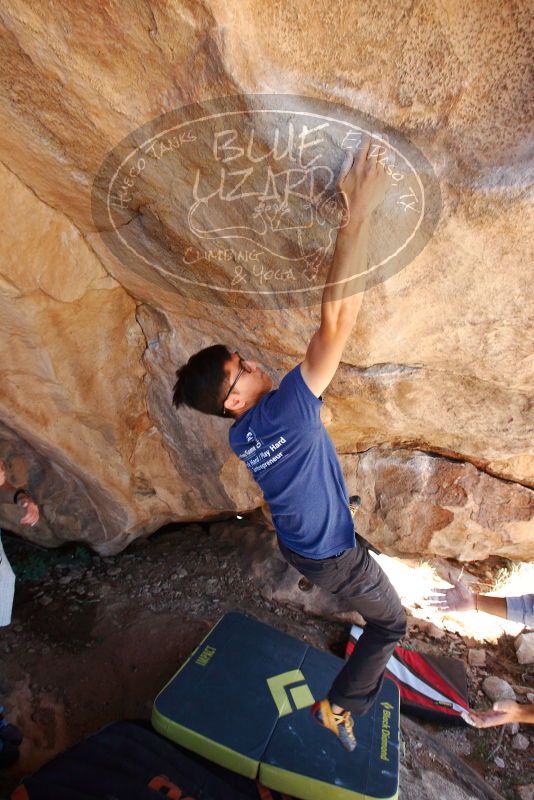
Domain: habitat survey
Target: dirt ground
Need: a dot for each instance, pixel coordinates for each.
(94, 639)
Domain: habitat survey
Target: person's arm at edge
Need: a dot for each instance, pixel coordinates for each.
(22, 498)
(516, 609)
(503, 712)
(491, 605)
(7, 490)
(461, 598)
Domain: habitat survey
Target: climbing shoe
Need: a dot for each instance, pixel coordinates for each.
(340, 724)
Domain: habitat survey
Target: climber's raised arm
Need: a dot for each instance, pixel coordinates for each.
(363, 182)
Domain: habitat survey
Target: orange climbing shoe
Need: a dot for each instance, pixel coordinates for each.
(340, 724)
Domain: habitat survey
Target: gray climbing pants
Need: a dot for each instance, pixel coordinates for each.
(354, 575)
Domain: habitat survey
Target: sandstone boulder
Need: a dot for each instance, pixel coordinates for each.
(434, 392)
(497, 689)
(524, 648)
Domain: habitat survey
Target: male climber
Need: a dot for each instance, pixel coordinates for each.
(280, 436)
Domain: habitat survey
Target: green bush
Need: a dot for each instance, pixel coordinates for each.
(35, 566)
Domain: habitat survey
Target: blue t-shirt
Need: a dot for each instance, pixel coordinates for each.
(286, 448)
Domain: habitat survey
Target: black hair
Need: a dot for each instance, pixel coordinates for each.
(202, 383)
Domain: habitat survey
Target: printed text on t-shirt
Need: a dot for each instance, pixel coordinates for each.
(258, 460)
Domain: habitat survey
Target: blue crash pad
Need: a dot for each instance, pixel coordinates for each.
(242, 700)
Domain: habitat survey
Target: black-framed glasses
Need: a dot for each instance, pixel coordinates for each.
(243, 368)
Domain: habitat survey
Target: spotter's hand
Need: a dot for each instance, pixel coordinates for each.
(32, 511)
(459, 598)
(502, 713)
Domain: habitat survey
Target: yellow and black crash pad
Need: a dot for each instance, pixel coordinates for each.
(242, 700)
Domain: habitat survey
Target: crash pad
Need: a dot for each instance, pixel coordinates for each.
(242, 700)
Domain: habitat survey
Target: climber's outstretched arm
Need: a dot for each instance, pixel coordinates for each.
(363, 182)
